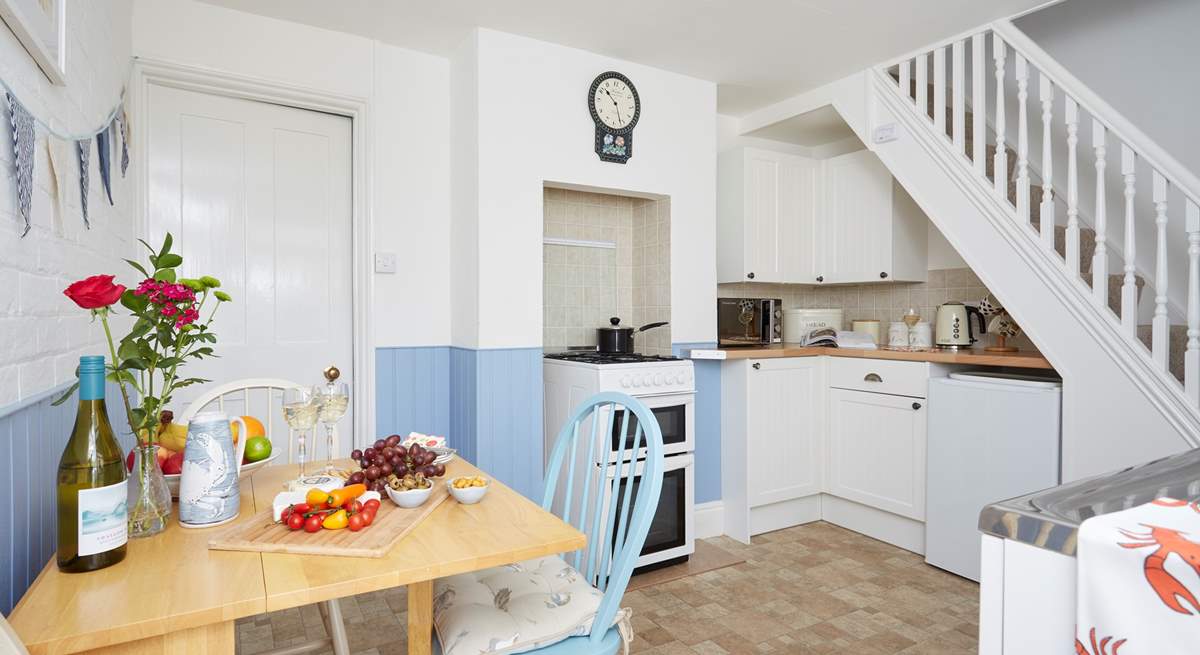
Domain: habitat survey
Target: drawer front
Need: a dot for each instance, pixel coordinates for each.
(880, 375)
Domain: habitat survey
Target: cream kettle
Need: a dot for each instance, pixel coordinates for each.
(954, 328)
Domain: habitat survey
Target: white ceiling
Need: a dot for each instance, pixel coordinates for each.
(815, 128)
(758, 51)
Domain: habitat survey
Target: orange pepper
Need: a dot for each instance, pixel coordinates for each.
(336, 520)
(338, 497)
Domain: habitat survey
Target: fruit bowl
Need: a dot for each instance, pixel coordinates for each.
(410, 498)
(468, 495)
(247, 470)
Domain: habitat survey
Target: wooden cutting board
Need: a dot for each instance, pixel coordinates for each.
(391, 523)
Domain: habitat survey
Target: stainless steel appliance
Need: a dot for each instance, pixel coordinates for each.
(749, 321)
(954, 329)
(617, 338)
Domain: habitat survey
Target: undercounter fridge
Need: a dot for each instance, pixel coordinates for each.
(991, 436)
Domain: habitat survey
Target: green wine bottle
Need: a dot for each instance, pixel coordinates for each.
(92, 518)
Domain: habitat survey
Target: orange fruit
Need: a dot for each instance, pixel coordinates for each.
(253, 426)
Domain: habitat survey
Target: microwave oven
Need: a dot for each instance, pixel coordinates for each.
(749, 321)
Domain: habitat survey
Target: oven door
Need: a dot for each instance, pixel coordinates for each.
(676, 414)
(670, 534)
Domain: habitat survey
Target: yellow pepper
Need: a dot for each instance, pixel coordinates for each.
(338, 497)
(336, 520)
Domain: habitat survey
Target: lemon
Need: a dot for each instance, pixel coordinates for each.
(257, 449)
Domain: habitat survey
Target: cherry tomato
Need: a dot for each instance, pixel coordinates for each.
(295, 521)
(372, 504)
(313, 523)
(300, 508)
(355, 522)
(285, 514)
(368, 516)
(352, 506)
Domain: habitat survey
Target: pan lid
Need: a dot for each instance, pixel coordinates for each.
(616, 325)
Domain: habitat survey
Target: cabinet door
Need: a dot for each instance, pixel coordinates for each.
(762, 216)
(785, 414)
(798, 191)
(856, 221)
(876, 449)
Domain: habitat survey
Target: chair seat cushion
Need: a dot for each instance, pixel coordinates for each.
(513, 608)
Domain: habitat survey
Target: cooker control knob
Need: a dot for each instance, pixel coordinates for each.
(647, 379)
(625, 381)
(658, 379)
(681, 379)
(637, 382)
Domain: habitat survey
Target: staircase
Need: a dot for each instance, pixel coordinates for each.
(1177, 337)
(965, 109)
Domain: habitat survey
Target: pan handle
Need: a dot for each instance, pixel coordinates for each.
(651, 326)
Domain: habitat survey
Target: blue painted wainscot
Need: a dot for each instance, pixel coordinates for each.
(412, 391)
(708, 422)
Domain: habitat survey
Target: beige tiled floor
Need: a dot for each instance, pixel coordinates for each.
(815, 588)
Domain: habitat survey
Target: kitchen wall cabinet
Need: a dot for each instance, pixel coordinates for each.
(877, 450)
(769, 199)
(792, 219)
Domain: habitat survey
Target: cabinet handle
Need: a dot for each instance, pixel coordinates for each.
(756, 365)
(916, 405)
(750, 275)
(883, 275)
(872, 377)
(820, 278)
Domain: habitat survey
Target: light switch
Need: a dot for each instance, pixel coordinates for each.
(884, 133)
(385, 262)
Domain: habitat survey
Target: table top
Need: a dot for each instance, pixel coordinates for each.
(172, 581)
(973, 356)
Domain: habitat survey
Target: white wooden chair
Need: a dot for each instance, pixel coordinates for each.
(10, 642)
(262, 397)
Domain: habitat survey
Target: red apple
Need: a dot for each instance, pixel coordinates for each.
(129, 462)
(173, 465)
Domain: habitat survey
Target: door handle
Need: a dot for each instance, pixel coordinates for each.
(872, 377)
(756, 365)
(750, 275)
(916, 405)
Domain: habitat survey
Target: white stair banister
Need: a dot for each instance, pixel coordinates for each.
(1046, 211)
(959, 98)
(1160, 326)
(906, 78)
(922, 84)
(978, 104)
(1100, 258)
(1022, 73)
(1072, 249)
(1129, 284)
(1191, 357)
(939, 90)
(1001, 159)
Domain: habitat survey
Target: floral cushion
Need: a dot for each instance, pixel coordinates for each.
(513, 608)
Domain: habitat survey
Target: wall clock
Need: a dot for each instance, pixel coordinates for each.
(615, 107)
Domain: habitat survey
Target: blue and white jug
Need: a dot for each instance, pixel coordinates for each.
(209, 493)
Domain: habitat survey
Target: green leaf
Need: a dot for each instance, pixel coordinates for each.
(66, 395)
(128, 349)
(148, 246)
(133, 302)
(165, 275)
(187, 382)
(138, 414)
(134, 363)
(118, 376)
(166, 246)
(138, 267)
(168, 260)
(139, 329)
(168, 362)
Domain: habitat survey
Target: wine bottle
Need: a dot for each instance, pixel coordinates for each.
(92, 517)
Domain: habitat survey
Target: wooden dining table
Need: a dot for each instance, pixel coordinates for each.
(172, 594)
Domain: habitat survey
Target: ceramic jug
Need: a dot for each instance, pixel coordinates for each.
(209, 493)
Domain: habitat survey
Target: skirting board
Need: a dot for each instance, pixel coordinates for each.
(878, 524)
(784, 514)
(709, 520)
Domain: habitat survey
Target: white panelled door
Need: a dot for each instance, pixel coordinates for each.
(258, 195)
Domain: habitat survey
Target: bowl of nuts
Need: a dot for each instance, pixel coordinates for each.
(409, 491)
(468, 489)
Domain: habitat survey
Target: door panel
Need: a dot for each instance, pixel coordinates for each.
(858, 218)
(259, 196)
(877, 451)
(797, 220)
(784, 419)
(762, 238)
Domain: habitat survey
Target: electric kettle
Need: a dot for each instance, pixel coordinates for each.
(954, 326)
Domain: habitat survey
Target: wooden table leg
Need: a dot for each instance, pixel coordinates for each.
(215, 639)
(420, 618)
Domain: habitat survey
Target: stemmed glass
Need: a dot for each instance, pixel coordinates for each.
(334, 398)
(300, 408)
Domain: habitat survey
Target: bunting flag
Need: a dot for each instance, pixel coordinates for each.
(58, 156)
(23, 140)
(83, 148)
(104, 161)
(123, 128)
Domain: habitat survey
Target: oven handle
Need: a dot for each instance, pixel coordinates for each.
(670, 463)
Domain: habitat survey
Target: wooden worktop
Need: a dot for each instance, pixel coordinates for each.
(973, 357)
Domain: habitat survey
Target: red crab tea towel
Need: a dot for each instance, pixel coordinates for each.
(1139, 581)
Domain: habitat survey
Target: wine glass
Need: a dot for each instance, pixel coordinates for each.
(912, 317)
(300, 407)
(334, 398)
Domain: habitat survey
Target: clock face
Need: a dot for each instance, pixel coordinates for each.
(615, 103)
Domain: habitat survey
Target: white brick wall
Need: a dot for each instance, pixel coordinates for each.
(42, 333)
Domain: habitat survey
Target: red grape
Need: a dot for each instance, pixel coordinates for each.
(364, 463)
(369, 453)
(385, 469)
(356, 478)
(439, 470)
(373, 472)
(389, 452)
(356, 454)
(379, 444)
(401, 450)
(393, 440)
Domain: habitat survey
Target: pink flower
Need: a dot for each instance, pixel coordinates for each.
(169, 310)
(187, 317)
(148, 285)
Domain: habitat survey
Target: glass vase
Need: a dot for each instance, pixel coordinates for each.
(149, 499)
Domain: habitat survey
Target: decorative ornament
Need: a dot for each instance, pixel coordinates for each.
(104, 161)
(83, 148)
(23, 139)
(1001, 324)
(58, 156)
(615, 108)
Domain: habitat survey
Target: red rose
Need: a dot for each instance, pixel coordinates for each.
(95, 292)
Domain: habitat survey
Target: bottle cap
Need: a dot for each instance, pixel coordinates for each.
(91, 364)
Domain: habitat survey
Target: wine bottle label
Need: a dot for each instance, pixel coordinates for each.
(103, 519)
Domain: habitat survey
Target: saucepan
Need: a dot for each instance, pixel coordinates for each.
(616, 339)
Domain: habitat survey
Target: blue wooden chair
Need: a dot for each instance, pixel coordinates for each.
(614, 541)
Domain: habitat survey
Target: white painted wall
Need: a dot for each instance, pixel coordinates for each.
(408, 96)
(1140, 57)
(533, 125)
(42, 333)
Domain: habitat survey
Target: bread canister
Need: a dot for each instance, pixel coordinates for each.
(799, 322)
